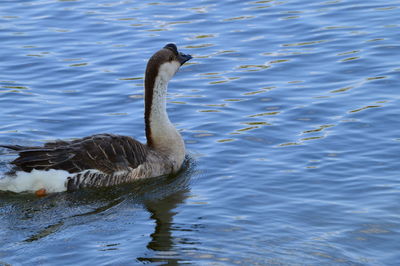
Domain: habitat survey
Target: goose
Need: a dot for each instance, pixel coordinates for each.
(103, 160)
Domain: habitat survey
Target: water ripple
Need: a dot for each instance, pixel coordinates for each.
(289, 110)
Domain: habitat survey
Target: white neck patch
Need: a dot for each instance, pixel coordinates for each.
(168, 70)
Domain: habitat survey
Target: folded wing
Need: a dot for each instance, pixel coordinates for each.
(104, 154)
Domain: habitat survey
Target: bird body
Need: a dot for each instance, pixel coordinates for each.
(104, 160)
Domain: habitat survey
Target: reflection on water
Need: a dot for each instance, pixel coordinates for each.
(55, 213)
(162, 240)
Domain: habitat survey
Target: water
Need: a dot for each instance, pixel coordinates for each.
(290, 113)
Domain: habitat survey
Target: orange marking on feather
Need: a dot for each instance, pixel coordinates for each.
(41, 192)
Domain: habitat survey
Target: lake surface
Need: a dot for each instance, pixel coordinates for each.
(290, 111)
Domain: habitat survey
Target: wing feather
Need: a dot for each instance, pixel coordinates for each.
(106, 153)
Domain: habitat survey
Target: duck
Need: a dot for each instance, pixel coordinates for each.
(104, 160)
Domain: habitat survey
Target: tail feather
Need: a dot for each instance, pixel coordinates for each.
(39, 157)
(20, 148)
(14, 147)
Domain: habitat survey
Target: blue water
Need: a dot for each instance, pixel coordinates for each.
(289, 110)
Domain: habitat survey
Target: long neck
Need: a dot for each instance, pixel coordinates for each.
(160, 133)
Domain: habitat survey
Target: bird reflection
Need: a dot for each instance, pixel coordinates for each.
(159, 196)
(163, 209)
(162, 212)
